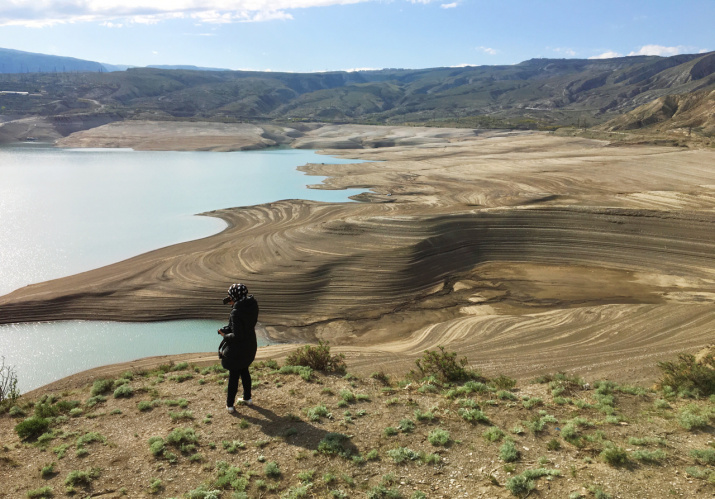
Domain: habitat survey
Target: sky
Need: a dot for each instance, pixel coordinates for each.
(332, 35)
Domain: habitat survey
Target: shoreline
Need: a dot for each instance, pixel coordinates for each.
(526, 253)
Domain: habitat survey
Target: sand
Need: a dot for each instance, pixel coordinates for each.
(527, 253)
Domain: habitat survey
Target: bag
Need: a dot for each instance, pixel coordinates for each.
(222, 348)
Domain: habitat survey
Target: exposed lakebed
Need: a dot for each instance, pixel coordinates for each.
(64, 211)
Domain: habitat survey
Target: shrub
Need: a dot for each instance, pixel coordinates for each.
(502, 382)
(521, 485)
(390, 431)
(16, 412)
(614, 455)
(90, 437)
(229, 477)
(381, 377)
(692, 417)
(688, 377)
(402, 454)
(92, 401)
(81, 477)
(315, 413)
(317, 358)
(123, 391)
(203, 492)
(493, 434)
(508, 451)
(406, 425)
(706, 456)
(48, 470)
(272, 470)
(101, 386)
(32, 427)
(424, 416)
(335, 444)
(438, 437)
(473, 415)
(444, 365)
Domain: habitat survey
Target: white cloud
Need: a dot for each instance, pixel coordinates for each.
(488, 50)
(566, 51)
(607, 55)
(449, 5)
(42, 13)
(659, 50)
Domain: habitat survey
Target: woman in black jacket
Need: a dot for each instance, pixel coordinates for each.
(238, 348)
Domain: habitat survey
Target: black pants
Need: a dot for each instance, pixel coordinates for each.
(233, 376)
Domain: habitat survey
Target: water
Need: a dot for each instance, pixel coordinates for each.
(64, 211)
(44, 352)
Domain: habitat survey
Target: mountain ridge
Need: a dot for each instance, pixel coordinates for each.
(537, 93)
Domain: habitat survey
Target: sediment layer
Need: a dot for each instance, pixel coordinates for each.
(525, 253)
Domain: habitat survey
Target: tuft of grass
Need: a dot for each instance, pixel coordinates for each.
(317, 412)
(493, 434)
(42, 492)
(439, 437)
(522, 484)
(648, 456)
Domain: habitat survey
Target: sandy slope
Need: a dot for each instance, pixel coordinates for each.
(526, 253)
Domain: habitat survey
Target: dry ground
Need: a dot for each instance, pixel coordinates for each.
(390, 445)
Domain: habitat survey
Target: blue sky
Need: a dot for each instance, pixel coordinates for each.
(320, 35)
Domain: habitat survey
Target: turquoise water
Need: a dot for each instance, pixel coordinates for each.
(64, 211)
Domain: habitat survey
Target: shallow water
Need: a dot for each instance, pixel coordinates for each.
(64, 211)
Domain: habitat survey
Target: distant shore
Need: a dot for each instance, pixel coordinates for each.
(525, 252)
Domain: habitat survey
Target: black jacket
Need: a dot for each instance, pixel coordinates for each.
(239, 342)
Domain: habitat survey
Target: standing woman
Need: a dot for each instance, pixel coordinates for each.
(238, 348)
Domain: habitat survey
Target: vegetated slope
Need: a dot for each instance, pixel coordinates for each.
(537, 92)
(164, 432)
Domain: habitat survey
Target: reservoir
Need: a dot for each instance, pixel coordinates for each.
(64, 211)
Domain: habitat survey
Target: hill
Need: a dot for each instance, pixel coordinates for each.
(17, 61)
(539, 93)
(165, 432)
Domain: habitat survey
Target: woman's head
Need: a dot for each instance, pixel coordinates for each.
(238, 292)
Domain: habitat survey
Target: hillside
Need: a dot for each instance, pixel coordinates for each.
(17, 61)
(164, 432)
(533, 94)
(687, 114)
